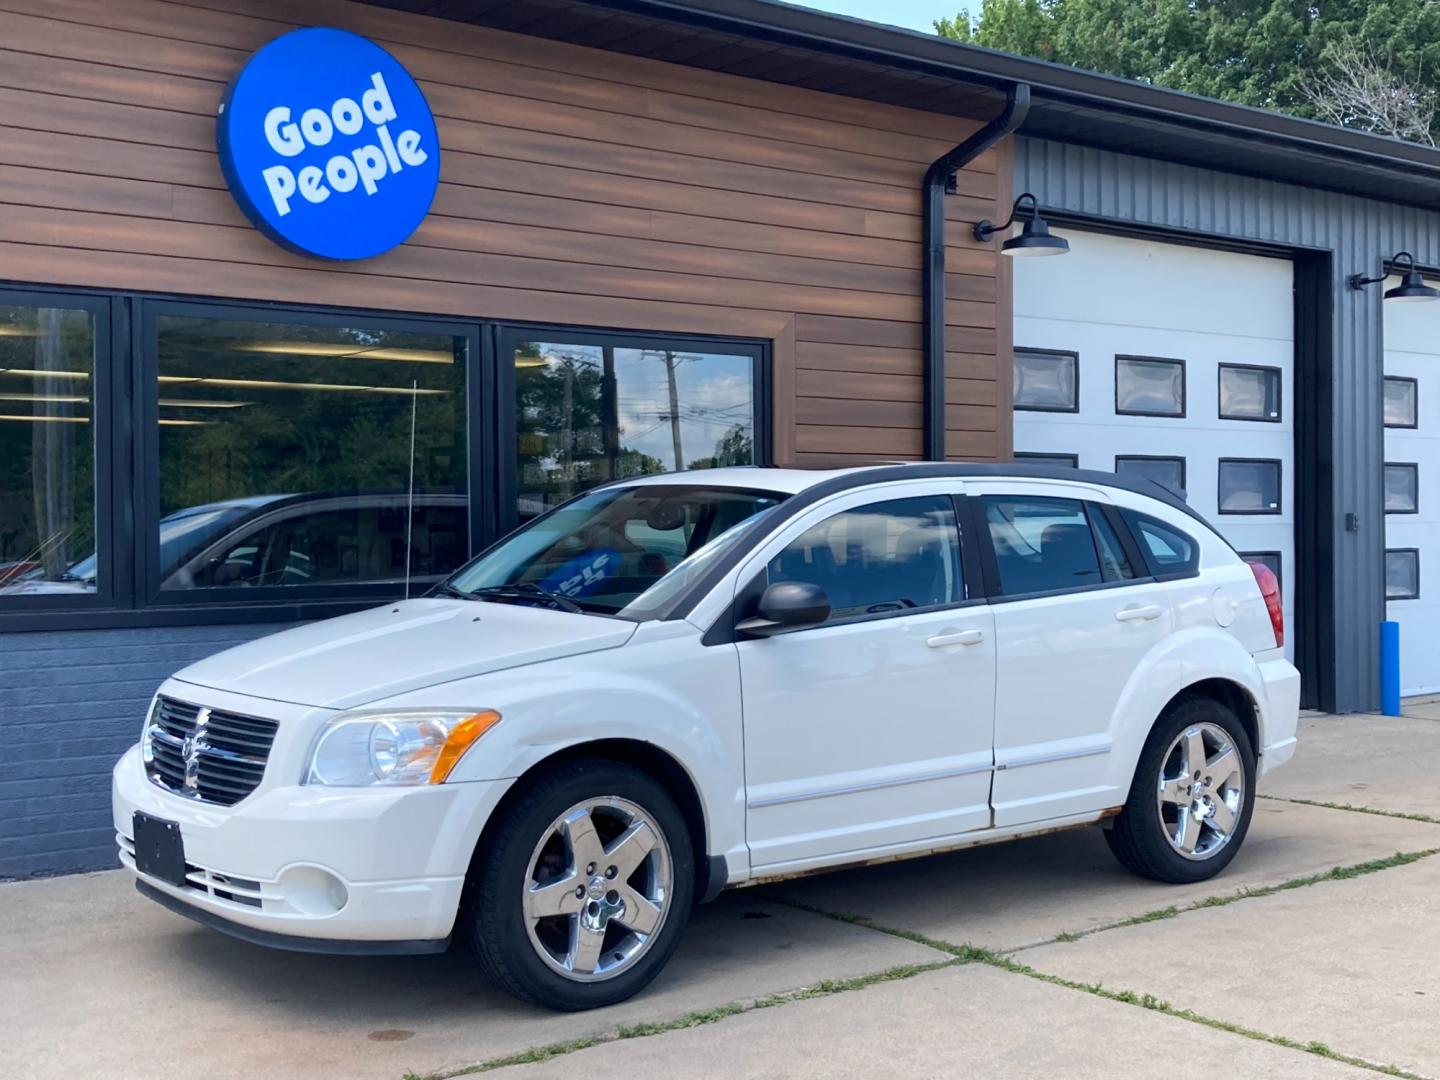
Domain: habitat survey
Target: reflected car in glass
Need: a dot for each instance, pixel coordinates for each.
(675, 684)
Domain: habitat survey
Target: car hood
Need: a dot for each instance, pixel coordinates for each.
(357, 659)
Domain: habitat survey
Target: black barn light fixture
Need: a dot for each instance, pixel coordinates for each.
(1034, 239)
(1412, 286)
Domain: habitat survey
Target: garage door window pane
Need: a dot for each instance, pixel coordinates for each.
(1041, 545)
(1401, 403)
(1402, 488)
(1046, 381)
(886, 557)
(47, 451)
(1249, 393)
(1249, 487)
(590, 413)
(1169, 471)
(285, 453)
(1269, 559)
(1402, 574)
(1049, 461)
(1149, 387)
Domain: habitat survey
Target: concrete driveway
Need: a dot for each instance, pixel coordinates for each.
(1041, 956)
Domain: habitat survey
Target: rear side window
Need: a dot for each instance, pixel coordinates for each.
(1171, 552)
(1052, 545)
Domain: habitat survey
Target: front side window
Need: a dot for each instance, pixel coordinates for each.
(615, 551)
(1148, 386)
(1046, 545)
(1046, 381)
(1248, 392)
(1402, 488)
(295, 453)
(588, 413)
(1402, 405)
(47, 450)
(893, 556)
(1249, 486)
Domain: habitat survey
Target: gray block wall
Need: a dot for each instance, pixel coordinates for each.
(71, 702)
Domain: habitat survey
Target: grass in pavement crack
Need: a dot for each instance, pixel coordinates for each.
(824, 988)
(1402, 814)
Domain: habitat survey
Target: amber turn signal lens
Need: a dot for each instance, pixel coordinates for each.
(458, 741)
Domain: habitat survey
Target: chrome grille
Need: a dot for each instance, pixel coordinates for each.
(205, 753)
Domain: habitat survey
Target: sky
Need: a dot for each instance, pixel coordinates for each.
(911, 14)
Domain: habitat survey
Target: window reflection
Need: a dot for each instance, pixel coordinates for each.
(589, 413)
(47, 451)
(286, 453)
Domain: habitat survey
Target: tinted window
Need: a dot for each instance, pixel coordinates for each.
(1402, 488)
(1249, 487)
(888, 556)
(1401, 406)
(1041, 545)
(1046, 381)
(1149, 387)
(1169, 550)
(1249, 393)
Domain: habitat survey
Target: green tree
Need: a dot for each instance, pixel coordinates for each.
(1291, 56)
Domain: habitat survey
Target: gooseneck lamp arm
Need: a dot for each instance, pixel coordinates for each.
(1359, 281)
(984, 230)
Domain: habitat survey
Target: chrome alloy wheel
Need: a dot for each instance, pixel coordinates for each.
(1201, 791)
(598, 889)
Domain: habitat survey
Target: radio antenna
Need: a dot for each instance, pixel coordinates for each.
(410, 490)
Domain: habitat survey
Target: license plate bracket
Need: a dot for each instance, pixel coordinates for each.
(159, 849)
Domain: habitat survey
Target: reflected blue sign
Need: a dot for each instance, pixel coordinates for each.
(328, 145)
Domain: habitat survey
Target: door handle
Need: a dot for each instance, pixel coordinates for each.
(1139, 613)
(955, 637)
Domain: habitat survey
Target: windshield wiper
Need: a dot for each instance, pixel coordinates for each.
(527, 591)
(446, 589)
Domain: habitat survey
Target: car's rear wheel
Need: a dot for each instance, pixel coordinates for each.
(585, 888)
(1190, 802)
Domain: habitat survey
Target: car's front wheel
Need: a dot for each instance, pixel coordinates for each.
(582, 894)
(1190, 803)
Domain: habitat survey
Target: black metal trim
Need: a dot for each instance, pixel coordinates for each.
(1404, 551)
(1279, 374)
(939, 178)
(1279, 464)
(1184, 386)
(291, 942)
(1031, 351)
(1414, 382)
(1180, 459)
(1413, 467)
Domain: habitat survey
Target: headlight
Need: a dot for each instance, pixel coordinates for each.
(418, 746)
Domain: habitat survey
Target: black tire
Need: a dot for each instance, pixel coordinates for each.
(494, 919)
(1137, 836)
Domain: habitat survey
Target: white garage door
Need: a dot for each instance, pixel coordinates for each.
(1171, 361)
(1412, 488)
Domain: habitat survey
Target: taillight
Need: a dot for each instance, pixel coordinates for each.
(1270, 590)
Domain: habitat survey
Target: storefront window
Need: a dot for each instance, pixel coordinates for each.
(287, 450)
(47, 451)
(587, 413)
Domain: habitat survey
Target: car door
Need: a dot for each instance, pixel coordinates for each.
(872, 730)
(1075, 614)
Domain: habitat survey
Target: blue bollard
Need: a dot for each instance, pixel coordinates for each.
(1390, 668)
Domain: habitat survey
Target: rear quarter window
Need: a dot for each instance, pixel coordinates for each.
(1170, 551)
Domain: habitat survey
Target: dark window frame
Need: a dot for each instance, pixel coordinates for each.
(1279, 486)
(1036, 455)
(1413, 467)
(1414, 382)
(1033, 351)
(1184, 386)
(126, 394)
(1279, 374)
(1168, 458)
(1385, 583)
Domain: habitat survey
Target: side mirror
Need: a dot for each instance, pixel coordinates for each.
(786, 606)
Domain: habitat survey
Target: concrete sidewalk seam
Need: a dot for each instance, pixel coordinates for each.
(971, 954)
(824, 988)
(1404, 815)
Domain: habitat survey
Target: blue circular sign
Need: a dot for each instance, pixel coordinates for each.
(328, 145)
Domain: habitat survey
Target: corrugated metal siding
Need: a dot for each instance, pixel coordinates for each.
(71, 702)
(1359, 233)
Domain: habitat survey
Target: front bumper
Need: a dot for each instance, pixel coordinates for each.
(329, 865)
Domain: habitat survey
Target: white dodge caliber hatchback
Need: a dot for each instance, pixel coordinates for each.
(675, 684)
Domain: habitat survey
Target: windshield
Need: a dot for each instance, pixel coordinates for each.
(618, 551)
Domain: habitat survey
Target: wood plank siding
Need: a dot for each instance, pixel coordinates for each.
(578, 186)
